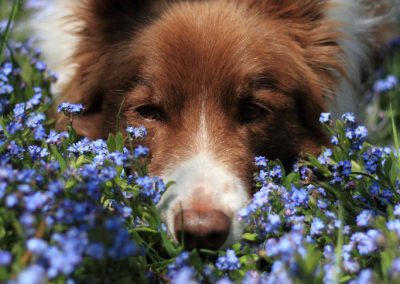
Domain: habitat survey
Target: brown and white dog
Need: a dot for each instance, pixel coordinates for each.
(215, 82)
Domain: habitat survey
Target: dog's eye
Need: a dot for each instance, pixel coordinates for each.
(250, 112)
(150, 112)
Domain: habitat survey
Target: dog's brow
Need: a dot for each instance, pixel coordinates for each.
(264, 82)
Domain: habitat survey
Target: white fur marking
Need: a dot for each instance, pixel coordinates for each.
(203, 171)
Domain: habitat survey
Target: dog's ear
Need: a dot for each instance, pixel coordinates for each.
(101, 65)
(111, 20)
(317, 42)
(316, 48)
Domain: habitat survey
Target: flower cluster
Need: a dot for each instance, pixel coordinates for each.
(68, 199)
(74, 210)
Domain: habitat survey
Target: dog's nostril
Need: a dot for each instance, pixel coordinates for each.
(207, 230)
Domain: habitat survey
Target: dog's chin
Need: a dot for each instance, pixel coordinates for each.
(203, 185)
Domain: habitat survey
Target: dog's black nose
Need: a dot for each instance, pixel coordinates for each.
(208, 230)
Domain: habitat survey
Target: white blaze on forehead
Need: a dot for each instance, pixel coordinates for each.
(202, 138)
(202, 178)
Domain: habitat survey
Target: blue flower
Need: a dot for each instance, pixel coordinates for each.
(19, 111)
(70, 109)
(274, 222)
(35, 119)
(96, 250)
(365, 277)
(367, 243)
(324, 157)
(299, 197)
(35, 201)
(371, 159)
(348, 117)
(185, 275)
(137, 132)
(276, 172)
(5, 258)
(325, 118)
(394, 225)
(228, 262)
(34, 101)
(34, 274)
(56, 138)
(141, 151)
(40, 66)
(317, 227)
(37, 152)
(365, 218)
(37, 246)
(385, 84)
(261, 161)
(396, 210)
(395, 269)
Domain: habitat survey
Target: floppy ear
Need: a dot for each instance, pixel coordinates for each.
(105, 26)
(318, 50)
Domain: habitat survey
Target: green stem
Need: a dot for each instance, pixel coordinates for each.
(7, 31)
(340, 241)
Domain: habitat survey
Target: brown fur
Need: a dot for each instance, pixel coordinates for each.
(182, 56)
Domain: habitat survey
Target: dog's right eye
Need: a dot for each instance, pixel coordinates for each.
(150, 112)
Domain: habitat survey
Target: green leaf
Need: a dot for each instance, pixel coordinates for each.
(119, 142)
(111, 143)
(252, 237)
(59, 157)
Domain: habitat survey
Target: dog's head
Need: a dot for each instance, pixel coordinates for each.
(215, 83)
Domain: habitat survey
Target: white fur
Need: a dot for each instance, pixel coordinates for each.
(357, 22)
(203, 177)
(54, 30)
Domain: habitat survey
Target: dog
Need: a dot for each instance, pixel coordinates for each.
(215, 83)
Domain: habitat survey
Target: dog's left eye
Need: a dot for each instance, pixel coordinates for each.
(251, 112)
(150, 112)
